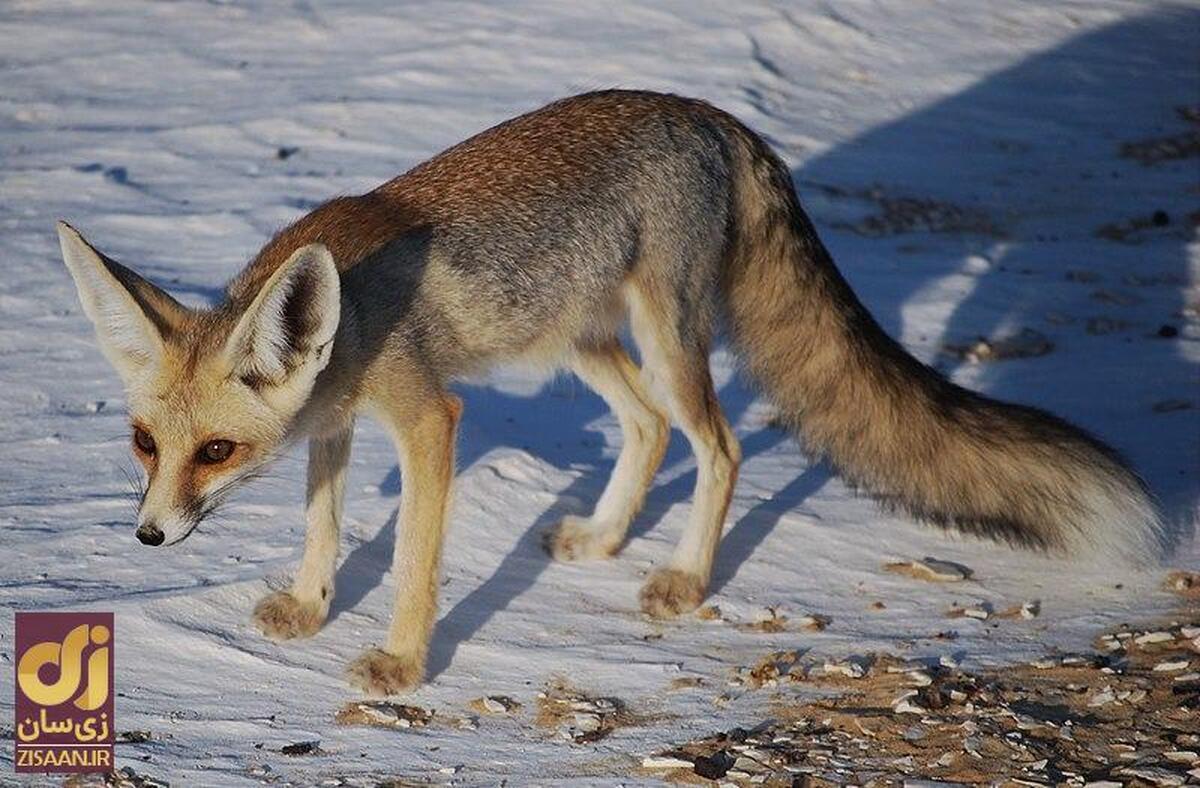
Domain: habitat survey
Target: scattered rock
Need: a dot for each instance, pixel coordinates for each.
(920, 678)
(1026, 343)
(1026, 610)
(906, 705)
(813, 622)
(1135, 229)
(1151, 638)
(125, 777)
(301, 748)
(383, 714)
(1077, 717)
(1172, 666)
(768, 619)
(932, 569)
(1184, 583)
(849, 668)
(665, 762)
(715, 766)
(979, 612)
(578, 717)
(904, 214)
(687, 682)
(495, 704)
(1154, 775)
(1103, 697)
(768, 671)
(1159, 149)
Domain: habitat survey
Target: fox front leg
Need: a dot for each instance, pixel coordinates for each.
(425, 443)
(301, 610)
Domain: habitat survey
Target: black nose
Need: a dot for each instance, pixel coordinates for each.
(150, 534)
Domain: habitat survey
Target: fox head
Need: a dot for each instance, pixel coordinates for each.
(211, 393)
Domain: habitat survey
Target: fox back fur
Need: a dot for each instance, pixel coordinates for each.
(538, 240)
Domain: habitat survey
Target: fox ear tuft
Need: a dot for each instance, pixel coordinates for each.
(132, 317)
(291, 322)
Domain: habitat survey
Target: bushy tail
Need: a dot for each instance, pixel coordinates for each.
(897, 428)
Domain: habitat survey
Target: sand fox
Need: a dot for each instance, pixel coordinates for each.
(538, 240)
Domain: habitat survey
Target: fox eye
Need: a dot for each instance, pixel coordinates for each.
(216, 451)
(143, 441)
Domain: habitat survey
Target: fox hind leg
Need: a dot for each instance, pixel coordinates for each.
(301, 610)
(677, 364)
(608, 370)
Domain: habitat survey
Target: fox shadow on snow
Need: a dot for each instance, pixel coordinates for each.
(1037, 139)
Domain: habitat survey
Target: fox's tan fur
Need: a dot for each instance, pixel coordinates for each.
(536, 241)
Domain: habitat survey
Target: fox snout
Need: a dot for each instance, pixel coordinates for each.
(149, 533)
(156, 530)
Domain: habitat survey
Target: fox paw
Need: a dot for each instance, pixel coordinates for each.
(379, 674)
(670, 592)
(578, 539)
(280, 616)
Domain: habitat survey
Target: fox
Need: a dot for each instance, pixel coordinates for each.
(548, 239)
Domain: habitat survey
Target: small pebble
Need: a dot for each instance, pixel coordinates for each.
(1152, 774)
(931, 569)
(920, 678)
(1153, 637)
(665, 762)
(300, 748)
(852, 669)
(1181, 756)
(1172, 665)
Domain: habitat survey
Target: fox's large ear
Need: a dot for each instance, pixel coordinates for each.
(132, 317)
(289, 326)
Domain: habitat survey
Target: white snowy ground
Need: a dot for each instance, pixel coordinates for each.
(155, 129)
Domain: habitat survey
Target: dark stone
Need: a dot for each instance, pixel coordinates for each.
(714, 767)
(301, 748)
